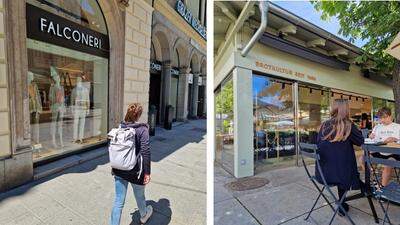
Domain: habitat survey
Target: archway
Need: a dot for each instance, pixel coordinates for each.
(160, 80)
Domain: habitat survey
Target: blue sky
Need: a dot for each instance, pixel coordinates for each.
(305, 10)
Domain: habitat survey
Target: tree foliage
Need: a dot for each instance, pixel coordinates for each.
(377, 22)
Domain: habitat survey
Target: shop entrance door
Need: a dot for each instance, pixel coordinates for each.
(274, 123)
(155, 87)
(200, 102)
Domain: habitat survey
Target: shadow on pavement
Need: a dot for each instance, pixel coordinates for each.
(167, 142)
(161, 213)
(163, 144)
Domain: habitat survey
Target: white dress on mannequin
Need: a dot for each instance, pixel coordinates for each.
(80, 106)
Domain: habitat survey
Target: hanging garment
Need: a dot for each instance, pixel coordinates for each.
(56, 98)
(35, 102)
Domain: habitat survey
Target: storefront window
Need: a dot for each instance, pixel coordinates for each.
(224, 125)
(67, 88)
(86, 13)
(273, 108)
(360, 108)
(313, 110)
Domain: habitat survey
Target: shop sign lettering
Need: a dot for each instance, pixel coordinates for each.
(190, 19)
(54, 28)
(284, 70)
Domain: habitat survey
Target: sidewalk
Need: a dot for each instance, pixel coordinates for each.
(83, 194)
(284, 200)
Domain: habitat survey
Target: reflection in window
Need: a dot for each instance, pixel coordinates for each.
(84, 12)
(273, 110)
(224, 125)
(313, 110)
(360, 108)
(67, 99)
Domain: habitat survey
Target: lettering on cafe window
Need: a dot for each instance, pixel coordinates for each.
(285, 71)
(68, 33)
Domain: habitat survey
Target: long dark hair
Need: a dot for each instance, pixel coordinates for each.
(339, 127)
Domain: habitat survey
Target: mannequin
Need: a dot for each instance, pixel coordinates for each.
(57, 107)
(80, 105)
(35, 107)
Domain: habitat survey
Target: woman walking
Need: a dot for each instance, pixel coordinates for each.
(139, 176)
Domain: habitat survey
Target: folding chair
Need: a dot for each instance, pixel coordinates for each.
(310, 151)
(390, 192)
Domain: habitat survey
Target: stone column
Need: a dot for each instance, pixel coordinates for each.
(183, 94)
(243, 122)
(195, 96)
(166, 86)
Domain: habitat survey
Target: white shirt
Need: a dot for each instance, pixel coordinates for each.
(382, 132)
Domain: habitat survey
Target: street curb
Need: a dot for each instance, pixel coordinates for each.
(63, 164)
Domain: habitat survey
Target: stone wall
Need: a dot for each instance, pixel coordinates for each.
(138, 19)
(5, 147)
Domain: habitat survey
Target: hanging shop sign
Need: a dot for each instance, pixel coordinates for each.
(190, 19)
(174, 71)
(190, 78)
(156, 66)
(200, 81)
(47, 27)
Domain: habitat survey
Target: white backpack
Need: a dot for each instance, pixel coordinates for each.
(122, 150)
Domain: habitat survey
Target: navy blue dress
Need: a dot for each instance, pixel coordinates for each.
(338, 160)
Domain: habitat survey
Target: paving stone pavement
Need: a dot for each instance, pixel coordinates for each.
(285, 200)
(84, 194)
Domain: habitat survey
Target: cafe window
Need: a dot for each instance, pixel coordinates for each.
(313, 110)
(67, 79)
(274, 122)
(224, 116)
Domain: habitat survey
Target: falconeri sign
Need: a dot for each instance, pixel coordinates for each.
(190, 19)
(47, 27)
(68, 33)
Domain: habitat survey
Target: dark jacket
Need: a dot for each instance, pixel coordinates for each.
(143, 149)
(338, 161)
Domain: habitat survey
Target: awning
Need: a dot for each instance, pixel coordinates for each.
(394, 47)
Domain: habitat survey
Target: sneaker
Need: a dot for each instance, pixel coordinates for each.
(145, 218)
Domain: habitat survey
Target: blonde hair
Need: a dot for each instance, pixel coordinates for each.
(133, 112)
(340, 124)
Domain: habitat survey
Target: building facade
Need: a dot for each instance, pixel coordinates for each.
(178, 59)
(69, 69)
(277, 95)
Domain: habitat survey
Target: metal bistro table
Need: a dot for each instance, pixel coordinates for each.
(368, 193)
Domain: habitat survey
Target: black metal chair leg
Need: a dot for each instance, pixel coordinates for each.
(371, 205)
(340, 206)
(315, 203)
(386, 212)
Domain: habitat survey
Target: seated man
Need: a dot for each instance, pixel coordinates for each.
(388, 132)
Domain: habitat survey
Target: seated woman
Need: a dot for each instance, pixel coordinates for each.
(335, 142)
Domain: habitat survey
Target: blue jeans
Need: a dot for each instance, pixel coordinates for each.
(121, 186)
